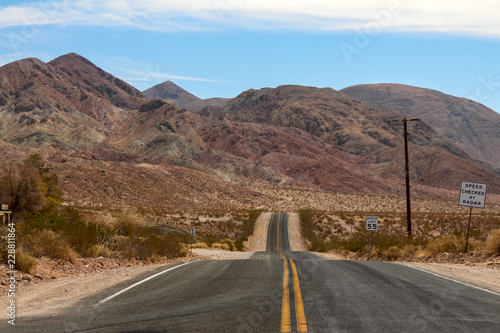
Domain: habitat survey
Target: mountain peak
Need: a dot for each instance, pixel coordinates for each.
(172, 93)
(72, 60)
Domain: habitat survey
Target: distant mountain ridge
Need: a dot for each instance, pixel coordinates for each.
(103, 135)
(173, 93)
(471, 126)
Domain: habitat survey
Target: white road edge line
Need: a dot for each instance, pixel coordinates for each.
(451, 279)
(142, 281)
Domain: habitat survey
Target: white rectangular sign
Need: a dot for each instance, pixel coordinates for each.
(372, 223)
(472, 195)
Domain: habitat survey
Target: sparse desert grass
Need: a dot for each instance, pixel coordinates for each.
(293, 199)
(433, 232)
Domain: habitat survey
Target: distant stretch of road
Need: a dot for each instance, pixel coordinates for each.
(281, 291)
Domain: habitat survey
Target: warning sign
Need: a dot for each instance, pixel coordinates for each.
(472, 195)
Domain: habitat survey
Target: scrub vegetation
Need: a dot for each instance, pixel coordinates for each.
(432, 233)
(47, 228)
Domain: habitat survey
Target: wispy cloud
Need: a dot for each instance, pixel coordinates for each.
(149, 76)
(155, 74)
(444, 16)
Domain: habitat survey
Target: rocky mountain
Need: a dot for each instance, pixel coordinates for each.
(360, 129)
(173, 93)
(67, 101)
(113, 145)
(73, 113)
(357, 127)
(469, 125)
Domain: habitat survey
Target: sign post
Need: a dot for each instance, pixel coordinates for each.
(371, 225)
(192, 236)
(472, 195)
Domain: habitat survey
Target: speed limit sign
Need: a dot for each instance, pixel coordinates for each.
(372, 223)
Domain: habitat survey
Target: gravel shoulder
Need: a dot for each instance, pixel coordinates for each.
(484, 276)
(257, 241)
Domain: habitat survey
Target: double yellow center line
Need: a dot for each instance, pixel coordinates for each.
(286, 315)
(286, 320)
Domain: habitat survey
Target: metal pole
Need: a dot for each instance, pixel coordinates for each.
(191, 243)
(371, 248)
(407, 171)
(468, 228)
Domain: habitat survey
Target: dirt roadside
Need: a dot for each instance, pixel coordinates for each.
(257, 241)
(483, 276)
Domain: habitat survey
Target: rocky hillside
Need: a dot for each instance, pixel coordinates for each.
(112, 145)
(357, 127)
(471, 126)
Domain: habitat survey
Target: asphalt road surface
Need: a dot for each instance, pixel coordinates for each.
(281, 291)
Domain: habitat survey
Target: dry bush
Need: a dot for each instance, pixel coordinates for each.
(128, 223)
(148, 245)
(230, 244)
(446, 243)
(48, 243)
(86, 237)
(220, 246)
(101, 251)
(24, 261)
(493, 242)
(200, 245)
(392, 253)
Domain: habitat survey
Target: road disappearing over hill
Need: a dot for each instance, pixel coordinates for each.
(280, 291)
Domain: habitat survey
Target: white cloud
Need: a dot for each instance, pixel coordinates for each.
(149, 76)
(459, 16)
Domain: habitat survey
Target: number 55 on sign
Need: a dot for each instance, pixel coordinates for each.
(372, 223)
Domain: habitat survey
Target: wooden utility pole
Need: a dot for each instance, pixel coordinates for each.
(407, 171)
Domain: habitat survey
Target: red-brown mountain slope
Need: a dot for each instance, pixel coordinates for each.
(471, 126)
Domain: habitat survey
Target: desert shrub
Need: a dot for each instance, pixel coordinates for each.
(357, 242)
(249, 224)
(446, 243)
(223, 246)
(307, 225)
(493, 242)
(127, 223)
(24, 261)
(200, 245)
(85, 236)
(239, 243)
(148, 245)
(44, 220)
(49, 244)
(100, 251)
(230, 244)
(318, 245)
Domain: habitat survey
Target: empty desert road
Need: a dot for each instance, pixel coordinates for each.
(281, 291)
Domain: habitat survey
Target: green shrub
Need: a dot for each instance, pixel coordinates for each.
(44, 220)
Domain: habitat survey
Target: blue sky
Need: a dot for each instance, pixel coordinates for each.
(219, 48)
